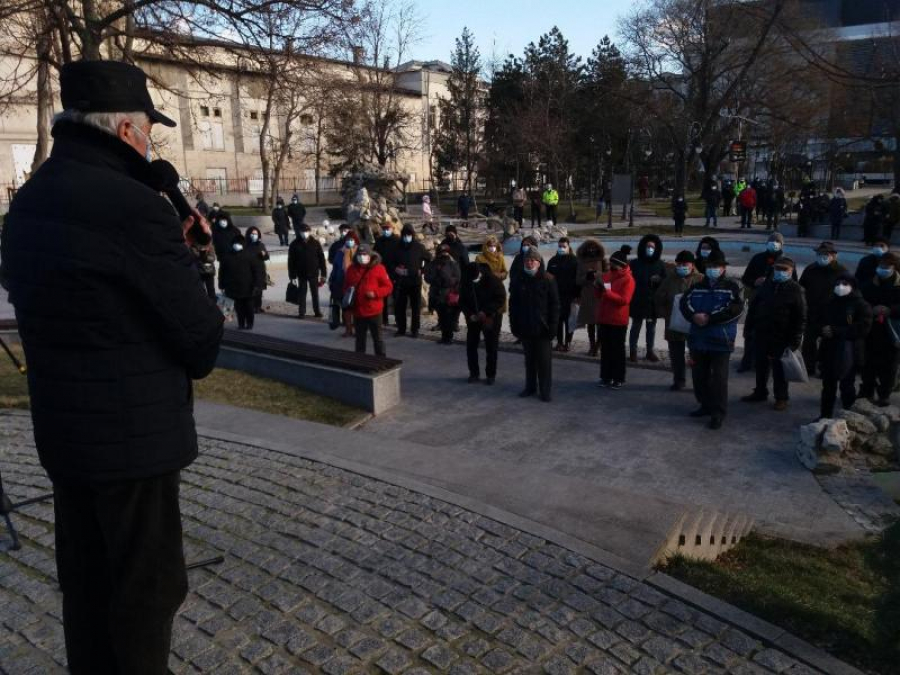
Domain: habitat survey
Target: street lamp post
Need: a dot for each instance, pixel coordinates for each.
(608, 189)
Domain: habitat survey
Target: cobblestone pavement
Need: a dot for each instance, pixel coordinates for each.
(327, 571)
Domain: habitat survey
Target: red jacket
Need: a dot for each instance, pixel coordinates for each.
(372, 278)
(612, 308)
(747, 198)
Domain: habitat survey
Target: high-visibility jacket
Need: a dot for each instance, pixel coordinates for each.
(739, 187)
(551, 197)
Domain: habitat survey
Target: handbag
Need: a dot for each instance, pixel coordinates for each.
(350, 294)
(292, 293)
(793, 367)
(894, 330)
(677, 322)
(572, 323)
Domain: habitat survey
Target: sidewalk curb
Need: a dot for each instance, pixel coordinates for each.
(762, 630)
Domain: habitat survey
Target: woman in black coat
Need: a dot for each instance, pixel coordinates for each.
(223, 233)
(482, 298)
(564, 268)
(704, 249)
(443, 277)
(882, 292)
(648, 271)
(239, 279)
(282, 222)
(258, 252)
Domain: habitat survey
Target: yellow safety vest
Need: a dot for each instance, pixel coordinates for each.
(551, 197)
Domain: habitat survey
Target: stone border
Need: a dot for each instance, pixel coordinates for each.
(760, 629)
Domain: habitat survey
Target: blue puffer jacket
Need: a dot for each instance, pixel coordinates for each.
(724, 302)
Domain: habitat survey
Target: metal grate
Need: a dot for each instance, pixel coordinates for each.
(325, 356)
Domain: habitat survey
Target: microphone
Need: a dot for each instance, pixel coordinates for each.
(165, 178)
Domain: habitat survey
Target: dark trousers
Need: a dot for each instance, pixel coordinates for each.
(879, 373)
(810, 348)
(835, 229)
(121, 568)
(363, 325)
(563, 336)
(283, 238)
(257, 301)
(413, 296)
(746, 217)
(676, 356)
(538, 365)
(612, 353)
(474, 332)
(313, 286)
(210, 284)
(749, 357)
(551, 212)
(765, 365)
(535, 217)
(710, 376)
(829, 392)
(518, 213)
(446, 316)
(635, 334)
(679, 225)
(386, 309)
(711, 215)
(243, 307)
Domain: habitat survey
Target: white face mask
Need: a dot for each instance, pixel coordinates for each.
(223, 224)
(650, 250)
(363, 259)
(254, 237)
(304, 236)
(237, 248)
(407, 238)
(562, 250)
(492, 249)
(842, 290)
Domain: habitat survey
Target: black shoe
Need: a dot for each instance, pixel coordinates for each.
(755, 398)
(473, 379)
(699, 412)
(400, 333)
(525, 393)
(414, 334)
(744, 369)
(616, 385)
(677, 386)
(318, 315)
(715, 423)
(546, 398)
(489, 380)
(603, 384)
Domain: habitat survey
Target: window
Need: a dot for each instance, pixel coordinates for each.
(306, 120)
(204, 110)
(254, 115)
(217, 112)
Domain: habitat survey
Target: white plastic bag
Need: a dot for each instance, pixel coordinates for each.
(793, 366)
(677, 322)
(572, 323)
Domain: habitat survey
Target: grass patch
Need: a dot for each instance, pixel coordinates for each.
(846, 600)
(230, 387)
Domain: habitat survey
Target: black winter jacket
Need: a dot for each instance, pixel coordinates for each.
(818, 283)
(564, 269)
(458, 250)
(281, 220)
(297, 214)
(223, 236)
(533, 306)
(644, 268)
(413, 258)
(443, 275)
(778, 313)
(865, 269)
(306, 259)
(111, 313)
(885, 292)
(386, 247)
(850, 319)
(239, 274)
(486, 295)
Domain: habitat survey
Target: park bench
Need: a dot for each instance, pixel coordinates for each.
(362, 380)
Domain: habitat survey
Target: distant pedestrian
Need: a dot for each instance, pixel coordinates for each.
(534, 200)
(891, 215)
(680, 212)
(818, 282)
(550, 199)
(837, 211)
(519, 197)
(648, 271)
(260, 256)
(463, 206)
(282, 223)
(676, 282)
(747, 200)
(202, 207)
(372, 285)
(239, 280)
(712, 199)
(873, 220)
(614, 292)
(297, 214)
(713, 307)
(727, 196)
(427, 216)
(563, 267)
(307, 268)
(533, 311)
(847, 322)
(483, 299)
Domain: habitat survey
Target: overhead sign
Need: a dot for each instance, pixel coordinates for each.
(737, 151)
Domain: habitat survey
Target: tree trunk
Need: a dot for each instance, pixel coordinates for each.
(45, 103)
(897, 162)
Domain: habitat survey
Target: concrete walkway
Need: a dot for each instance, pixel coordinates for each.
(615, 469)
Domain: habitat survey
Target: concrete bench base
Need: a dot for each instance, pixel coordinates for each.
(375, 393)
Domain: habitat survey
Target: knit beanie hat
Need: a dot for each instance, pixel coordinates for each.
(685, 257)
(618, 259)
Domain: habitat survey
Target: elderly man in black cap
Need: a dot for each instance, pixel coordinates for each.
(114, 330)
(533, 315)
(818, 283)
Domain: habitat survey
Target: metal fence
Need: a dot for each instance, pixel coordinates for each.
(254, 186)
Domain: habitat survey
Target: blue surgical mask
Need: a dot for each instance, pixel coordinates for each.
(877, 251)
(780, 276)
(683, 270)
(884, 272)
(304, 236)
(562, 250)
(773, 247)
(650, 250)
(407, 239)
(350, 243)
(387, 233)
(254, 237)
(146, 138)
(713, 273)
(525, 248)
(704, 252)
(823, 260)
(531, 272)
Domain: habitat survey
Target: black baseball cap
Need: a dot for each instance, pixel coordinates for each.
(107, 86)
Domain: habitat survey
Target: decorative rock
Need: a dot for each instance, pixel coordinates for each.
(864, 406)
(837, 437)
(811, 433)
(858, 423)
(879, 445)
(817, 463)
(881, 422)
(808, 456)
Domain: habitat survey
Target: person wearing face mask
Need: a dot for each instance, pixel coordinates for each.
(529, 243)
(837, 211)
(282, 222)
(779, 310)
(865, 269)
(458, 250)
(297, 213)
(338, 244)
(706, 246)
(340, 263)
(239, 279)
(713, 308)
(648, 270)
(591, 264)
(223, 233)
(533, 313)
(713, 198)
(758, 270)
(747, 204)
(550, 199)
(564, 268)
(307, 268)
(410, 260)
(873, 220)
(213, 213)
(370, 279)
(492, 255)
(882, 292)
(847, 322)
(679, 213)
(676, 282)
(818, 283)
(386, 247)
(614, 291)
(482, 298)
(259, 255)
(427, 216)
(443, 276)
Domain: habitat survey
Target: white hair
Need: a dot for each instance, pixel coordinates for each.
(104, 121)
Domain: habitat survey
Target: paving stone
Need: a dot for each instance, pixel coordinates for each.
(439, 656)
(393, 662)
